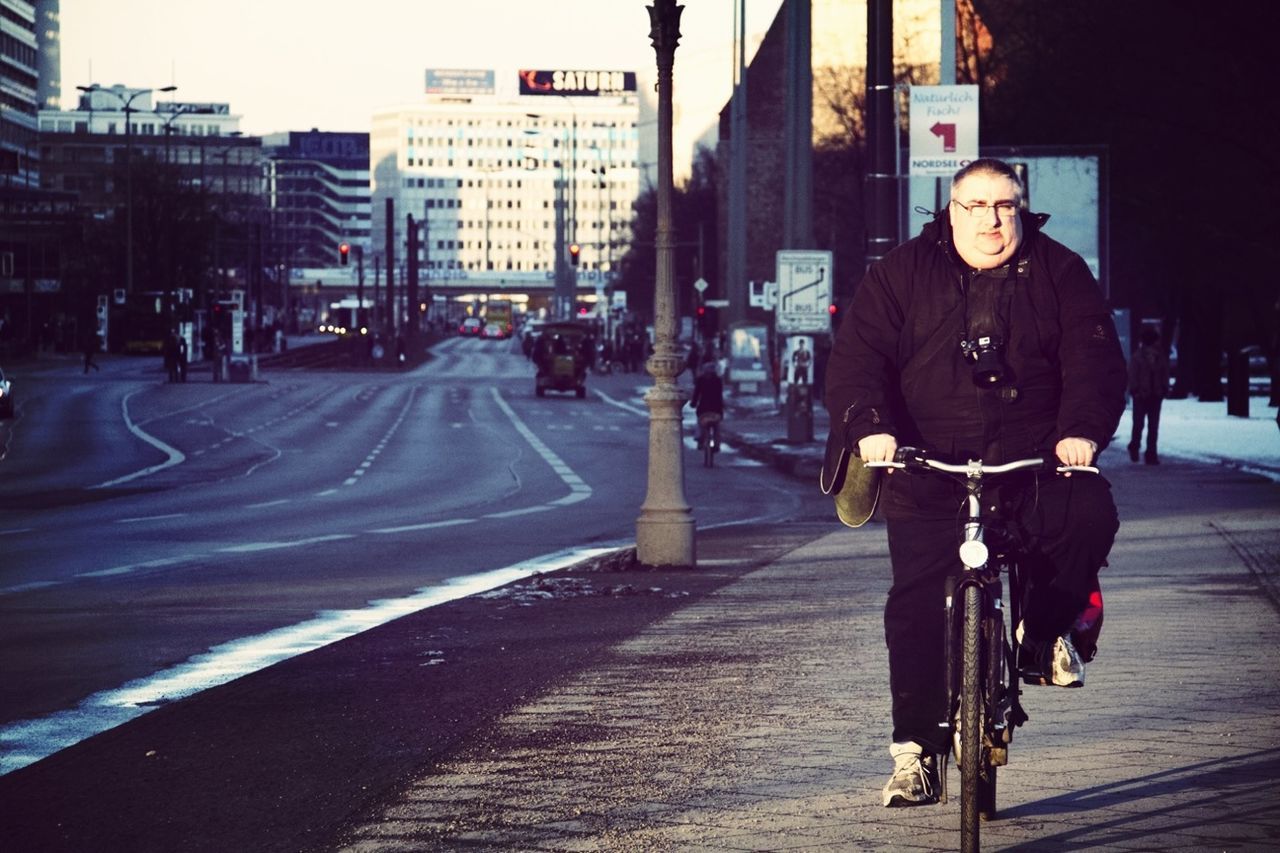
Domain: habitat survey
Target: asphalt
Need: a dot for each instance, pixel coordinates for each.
(741, 705)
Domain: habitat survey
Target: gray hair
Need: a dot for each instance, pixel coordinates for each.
(990, 166)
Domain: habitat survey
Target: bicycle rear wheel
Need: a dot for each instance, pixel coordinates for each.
(971, 703)
(709, 445)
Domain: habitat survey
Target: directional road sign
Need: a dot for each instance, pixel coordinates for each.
(804, 291)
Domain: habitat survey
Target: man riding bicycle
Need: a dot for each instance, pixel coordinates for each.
(982, 338)
(707, 399)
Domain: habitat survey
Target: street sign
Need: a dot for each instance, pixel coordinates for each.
(944, 129)
(804, 291)
(701, 285)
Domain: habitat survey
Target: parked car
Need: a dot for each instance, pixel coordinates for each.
(6, 396)
(471, 327)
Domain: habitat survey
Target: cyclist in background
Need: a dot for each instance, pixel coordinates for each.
(982, 338)
(707, 399)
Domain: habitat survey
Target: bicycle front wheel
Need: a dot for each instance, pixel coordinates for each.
(971, 703)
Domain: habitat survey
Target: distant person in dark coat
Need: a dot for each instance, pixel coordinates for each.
(1148, 385)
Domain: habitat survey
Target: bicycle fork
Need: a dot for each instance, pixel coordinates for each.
(974, 558)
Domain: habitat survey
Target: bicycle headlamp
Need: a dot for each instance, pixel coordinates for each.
(974, 553)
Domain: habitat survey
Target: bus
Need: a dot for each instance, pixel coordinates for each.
(499, 322)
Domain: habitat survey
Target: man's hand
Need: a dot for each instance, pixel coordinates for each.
(877, 448)
(1076, 451)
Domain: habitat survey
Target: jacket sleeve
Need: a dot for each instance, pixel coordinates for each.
(862, 367)
(1094, 372)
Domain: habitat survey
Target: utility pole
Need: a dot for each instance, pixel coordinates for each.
(882, 174)
(391, 265)
(411, 283)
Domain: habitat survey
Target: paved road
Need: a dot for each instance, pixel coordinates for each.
(162, 538)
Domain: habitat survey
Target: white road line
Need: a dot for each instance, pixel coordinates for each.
(266, 504)
(175, 455)
(529, 510)
(626, 407)
(577, 486)
(295, 543)
(426, 525)
(133, 567)
(150, 518)
(27, 741)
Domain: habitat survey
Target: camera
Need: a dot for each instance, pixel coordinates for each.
(988, 364)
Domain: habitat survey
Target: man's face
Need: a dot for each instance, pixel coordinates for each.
(988, 241)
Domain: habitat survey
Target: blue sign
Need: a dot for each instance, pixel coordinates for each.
(459, 81)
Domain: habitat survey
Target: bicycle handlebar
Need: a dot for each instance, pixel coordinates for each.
(916, 459)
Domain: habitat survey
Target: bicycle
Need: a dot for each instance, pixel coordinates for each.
(710, 425)
(981, 656)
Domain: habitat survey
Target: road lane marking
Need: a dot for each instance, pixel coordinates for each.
(512, 513)
(426, 525)
(150, 518)
(295, 543)
(266, 504)
(133, 567)
(577, 487)
(26, 741)
(174, 455)
(626, 407)
(382, 443)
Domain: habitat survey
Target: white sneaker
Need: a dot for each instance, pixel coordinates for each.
(1060, 665)
(915, 777)
(1068, 666)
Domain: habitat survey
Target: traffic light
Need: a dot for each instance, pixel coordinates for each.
(574, 251)
(344, 251)
(834, 310)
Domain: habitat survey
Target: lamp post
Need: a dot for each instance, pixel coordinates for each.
(665, 528)
(128, 165)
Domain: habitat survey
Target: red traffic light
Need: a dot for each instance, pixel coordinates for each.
(344, 249)
(702, 310)
(833, 310)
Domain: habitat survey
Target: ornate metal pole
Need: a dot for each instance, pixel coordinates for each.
(665, 528)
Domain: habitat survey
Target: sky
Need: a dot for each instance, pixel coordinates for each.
(329, 64)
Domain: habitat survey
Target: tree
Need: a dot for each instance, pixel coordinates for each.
(693, 213)
(1177, 93)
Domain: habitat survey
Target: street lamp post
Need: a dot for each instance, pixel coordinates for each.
(128, 165)
(665, 528)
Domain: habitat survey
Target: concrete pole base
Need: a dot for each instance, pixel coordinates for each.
(665, 538)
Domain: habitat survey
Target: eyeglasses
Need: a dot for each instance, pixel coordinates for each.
(981, 210)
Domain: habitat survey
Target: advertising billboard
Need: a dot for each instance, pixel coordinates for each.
(459, 81)
(577, 83)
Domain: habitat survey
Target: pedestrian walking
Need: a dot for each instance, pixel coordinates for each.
(1148, 385)
(91, 344)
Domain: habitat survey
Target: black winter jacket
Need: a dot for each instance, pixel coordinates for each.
(896, 366)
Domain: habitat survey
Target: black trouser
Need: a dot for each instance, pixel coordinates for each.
(1146, 409)
(1070, 527)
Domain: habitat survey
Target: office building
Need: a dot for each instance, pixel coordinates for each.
(19, 94)
(507, 174)
(318, 194)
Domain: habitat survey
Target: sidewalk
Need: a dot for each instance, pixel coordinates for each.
(757, 717)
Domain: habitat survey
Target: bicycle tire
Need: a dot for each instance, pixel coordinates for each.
(993, 654)
(971, 704)
(709, 445)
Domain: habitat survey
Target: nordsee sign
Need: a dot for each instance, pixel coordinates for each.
(944, 129)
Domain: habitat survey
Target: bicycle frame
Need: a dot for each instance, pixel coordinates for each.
(980, 655)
